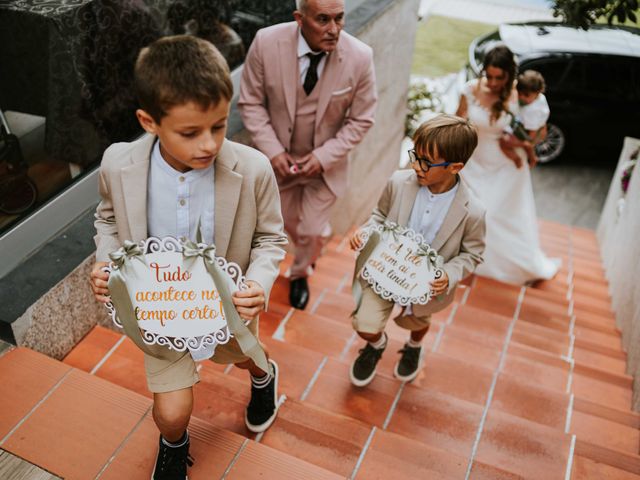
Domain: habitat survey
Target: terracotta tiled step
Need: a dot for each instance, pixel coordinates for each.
(596, 323)
(318, 436)
(336, 306)
(596, 360)
(125, 367)
(510, 443)
(212, 448)
(558, 298)
(92, 348)
(557, 285)
(221, 399)
(437, 420)
(494, 297)
(315, 333)
(622, 417)
(612, 341)
(481, 471)
(522, 447)
(25, 378)
(553, 375)
(605, 432)
(615, 353)
(79, 426)
(586, 469)
(258, 461)
(597, 289)
(518, 397)
(544, 312)
(297, 367)
(393, 456)
(333, 391)
(601, 392)
(585, 303)
(627, 462)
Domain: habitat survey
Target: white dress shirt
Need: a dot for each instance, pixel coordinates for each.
(304, 61)
(177, 203)
(427, 216)
(429, 211)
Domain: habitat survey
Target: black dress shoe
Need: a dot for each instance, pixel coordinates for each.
(299, 293)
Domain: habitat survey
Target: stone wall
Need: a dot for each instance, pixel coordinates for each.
(392, 37)
(619, 234)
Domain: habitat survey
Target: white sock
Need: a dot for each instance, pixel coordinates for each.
(179, 443)
(261, 382)
(381, 343)
(414, 344)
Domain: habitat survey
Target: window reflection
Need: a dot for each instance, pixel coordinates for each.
(66, 88)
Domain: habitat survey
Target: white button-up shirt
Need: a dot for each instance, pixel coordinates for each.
(429, 211)
(304, 61)
(427, 216)
(178, 202)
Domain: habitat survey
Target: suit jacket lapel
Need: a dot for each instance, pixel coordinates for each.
(228, 185)
(331, 75)
(135, 199)
(407, 199)
(456, 213)
(288, 58)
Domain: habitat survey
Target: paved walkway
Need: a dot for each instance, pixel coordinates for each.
(486, 11)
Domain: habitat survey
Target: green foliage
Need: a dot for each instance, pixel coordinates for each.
(584, 13)
(422, 96)
(442, 44)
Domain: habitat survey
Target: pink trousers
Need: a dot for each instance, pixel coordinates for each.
(306, 205)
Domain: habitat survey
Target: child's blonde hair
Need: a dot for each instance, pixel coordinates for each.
(453, 137)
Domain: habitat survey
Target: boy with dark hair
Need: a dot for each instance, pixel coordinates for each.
(183, 175)
(432, 200)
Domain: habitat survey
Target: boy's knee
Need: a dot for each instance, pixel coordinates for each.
(172, 415)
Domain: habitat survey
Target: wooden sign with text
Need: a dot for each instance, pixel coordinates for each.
(174, 298)
(402, 266)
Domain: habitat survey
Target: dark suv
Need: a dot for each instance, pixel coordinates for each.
(593, 83)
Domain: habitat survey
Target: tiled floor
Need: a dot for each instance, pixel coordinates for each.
(513, 379)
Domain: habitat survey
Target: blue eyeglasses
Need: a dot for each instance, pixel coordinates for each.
(424, 163)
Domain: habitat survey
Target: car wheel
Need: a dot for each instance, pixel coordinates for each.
(553, 145)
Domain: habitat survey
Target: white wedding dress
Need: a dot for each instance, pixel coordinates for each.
(512, 253)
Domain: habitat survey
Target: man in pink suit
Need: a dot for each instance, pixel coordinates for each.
(307, 97)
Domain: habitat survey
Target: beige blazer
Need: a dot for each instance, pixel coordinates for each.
(460, 240)
(346, 107)
(248, 223)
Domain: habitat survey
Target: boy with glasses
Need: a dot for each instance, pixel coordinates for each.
(431, 199)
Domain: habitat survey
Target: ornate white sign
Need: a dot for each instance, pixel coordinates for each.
(402, 266)
(174, 298)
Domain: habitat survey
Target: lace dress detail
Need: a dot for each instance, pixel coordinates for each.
(512, 253)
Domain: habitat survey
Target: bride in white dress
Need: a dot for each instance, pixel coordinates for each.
(512, 253)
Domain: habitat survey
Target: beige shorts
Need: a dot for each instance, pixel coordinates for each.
(171, 375)
(374, 313)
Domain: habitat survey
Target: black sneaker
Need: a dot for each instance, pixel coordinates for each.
(363, 368)
(172, 462)
(263, 407)
(407, 368)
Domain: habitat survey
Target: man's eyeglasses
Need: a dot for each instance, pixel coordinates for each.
(425, 164)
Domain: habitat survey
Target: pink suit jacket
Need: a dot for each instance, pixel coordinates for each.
(346, 107)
